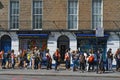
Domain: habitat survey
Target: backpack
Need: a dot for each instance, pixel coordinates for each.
(67, 56)
(91, 58)
(54, 57)
(82, 58)
(28, 56)
(118, 56)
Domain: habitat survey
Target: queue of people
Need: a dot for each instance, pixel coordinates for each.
(34, 58)
(92, 61)
(26, 59)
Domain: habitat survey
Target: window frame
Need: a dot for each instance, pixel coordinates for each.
(11, 15)
(77, 10)
(33, 27)
(99, 15)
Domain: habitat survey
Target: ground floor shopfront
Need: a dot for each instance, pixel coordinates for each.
(61, 40)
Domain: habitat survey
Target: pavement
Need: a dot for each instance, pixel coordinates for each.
(52, 72)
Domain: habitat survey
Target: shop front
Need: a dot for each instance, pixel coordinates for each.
(85, 42)
(29, 41)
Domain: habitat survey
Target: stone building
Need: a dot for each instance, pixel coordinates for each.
(63, 24)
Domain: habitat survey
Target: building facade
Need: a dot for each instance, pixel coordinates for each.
(60, 24)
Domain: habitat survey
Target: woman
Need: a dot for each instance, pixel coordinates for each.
(67, 59)
(117, 58)
(48, 59)
(75, 60)
(1, 58)
(25, 59)
(33, 60)
(82, 62)
(109, 59)
(8, 60)
(57, 60)
(12, 59)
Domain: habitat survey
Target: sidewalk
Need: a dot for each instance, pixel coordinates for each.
(44, 72)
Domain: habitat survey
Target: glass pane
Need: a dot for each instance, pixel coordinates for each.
(75, 22)
(35, 4)
(37, 22)
(69, 4)
(14, 12)
(39, 11)
(75, 11)
(75, 4)
(40, 4)
(17, 6)
(69, 22)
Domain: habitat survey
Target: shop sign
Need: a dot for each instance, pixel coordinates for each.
(110, 43)
(50, 42)
(99, 32)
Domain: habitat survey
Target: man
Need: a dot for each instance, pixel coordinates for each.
(109, 59)
(67, 59)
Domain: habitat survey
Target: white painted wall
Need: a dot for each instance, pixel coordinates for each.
(113, 43)
(52, 44)
(15, 42)
(52, 41)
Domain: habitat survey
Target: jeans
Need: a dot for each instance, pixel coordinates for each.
(56, 64)
(109, 64)
(67, 64)
(75, 63)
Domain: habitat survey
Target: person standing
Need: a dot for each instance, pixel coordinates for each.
(109, 59)
(82, 62)
(1, 58)
(75, 60)
(117, 58)
(67, 59)
(8, 60)
(100, 63)
(57, 60)
(12, 59)
(48, 59)
(91, 60)
(33, 60)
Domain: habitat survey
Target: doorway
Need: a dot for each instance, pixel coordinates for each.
(5, 43)
(63, 44)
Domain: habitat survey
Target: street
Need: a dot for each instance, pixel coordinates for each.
(23, 77)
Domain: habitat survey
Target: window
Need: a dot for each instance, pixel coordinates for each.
(96, 14)
(72, 14)
(37, 14)
(14, 14)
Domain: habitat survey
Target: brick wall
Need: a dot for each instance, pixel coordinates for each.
(4, 14)
(55, 14)
(84, 14)
(111, 13)
(25, 14)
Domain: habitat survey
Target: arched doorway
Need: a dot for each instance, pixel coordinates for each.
(5, 43)
(63, 44)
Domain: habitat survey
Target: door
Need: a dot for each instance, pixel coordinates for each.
(63, 44)
(5, 43)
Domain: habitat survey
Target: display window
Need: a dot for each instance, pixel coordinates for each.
(31, 43)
